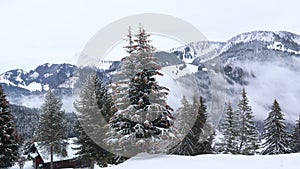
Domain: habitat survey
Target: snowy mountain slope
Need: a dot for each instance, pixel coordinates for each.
(41, 79)
(281, 41)
(28, 88)
(265, 63)
(19, 78)
(267, 37)
(176, 71)
(192, 51)
(266, 72)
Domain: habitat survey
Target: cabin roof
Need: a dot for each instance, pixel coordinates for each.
(46, 155)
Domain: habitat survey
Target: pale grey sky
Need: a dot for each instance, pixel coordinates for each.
(33, 32)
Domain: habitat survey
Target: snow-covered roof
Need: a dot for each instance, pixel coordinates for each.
(46, 155)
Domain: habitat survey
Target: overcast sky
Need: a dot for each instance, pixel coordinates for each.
(34, 32)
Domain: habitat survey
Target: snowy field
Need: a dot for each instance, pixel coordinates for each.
(291, 161)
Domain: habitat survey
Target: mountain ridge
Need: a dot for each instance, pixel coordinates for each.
(263, 62)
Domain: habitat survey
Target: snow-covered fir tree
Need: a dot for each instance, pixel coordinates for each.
(208, 132)
(296, 137)
(142, 42)
(186, 116)
(208, 135)
(131, 47)
(94, 107)
(121, 79)
(8, 136)
(192, 144)
(143, 122)
(104, 99)
(230, 131)
(275, 136)
(248, 140)
(51, 131)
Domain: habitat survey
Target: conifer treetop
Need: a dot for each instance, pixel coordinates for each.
(275, 134)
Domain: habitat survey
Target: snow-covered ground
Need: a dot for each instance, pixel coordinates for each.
(289, 161)
(28, 165)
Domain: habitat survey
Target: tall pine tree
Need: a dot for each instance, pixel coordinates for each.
(142, 41)
(51, 131)
(94, 107)
(8, 136)
(131, 47)
(276, 136)
(248, 141)
(230, 131)
(186, 116)
(191, 145)
(296, 137)
(143, 120)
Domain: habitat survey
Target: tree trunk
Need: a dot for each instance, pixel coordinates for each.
(51, 156)
(92, 164)
(242, 135)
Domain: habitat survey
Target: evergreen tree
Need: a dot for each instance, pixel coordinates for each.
(94, 108)
(8, 136)
(143, 120)
(230, 131)
(51, 132)
(275, 134)
(121, 80)
(191, 145)
(131, 47)
(206, 129)
(296, 137)
(142, 41)
(104, 99)
(186, 116)
(248, 137)
(207, 137)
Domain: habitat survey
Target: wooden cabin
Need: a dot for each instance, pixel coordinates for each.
(41, 160)
(69, 163)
